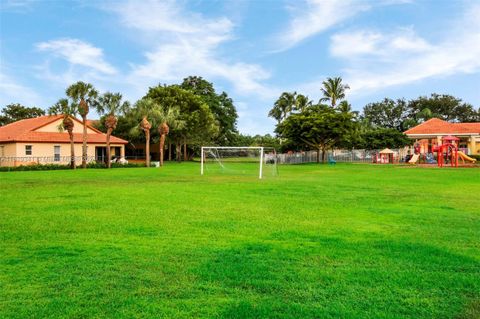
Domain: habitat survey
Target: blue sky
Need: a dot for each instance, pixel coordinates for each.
(253, 50)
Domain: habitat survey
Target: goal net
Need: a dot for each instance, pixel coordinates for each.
(258, 161)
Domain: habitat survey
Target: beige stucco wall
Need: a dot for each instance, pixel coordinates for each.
(475, 145)
(53, 127)
(43, 153)
(8, 149)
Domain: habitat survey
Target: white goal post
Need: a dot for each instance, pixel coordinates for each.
(225, 155)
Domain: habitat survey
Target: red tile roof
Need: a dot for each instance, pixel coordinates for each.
(24, 131)
(438, 126)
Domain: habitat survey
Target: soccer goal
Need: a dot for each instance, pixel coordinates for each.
(247, 160)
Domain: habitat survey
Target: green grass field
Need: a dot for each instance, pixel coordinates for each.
(318, 241)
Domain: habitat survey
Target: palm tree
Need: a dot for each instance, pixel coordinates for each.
(146, 109)
(82, 95)
(283, 106)
(165, 117)
(302, 102)
(333, 90)
(276, 113)
(111, 104)
(68, 111)
(344, 107)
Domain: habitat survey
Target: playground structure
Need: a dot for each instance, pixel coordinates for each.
(385, 156)
(447, 152)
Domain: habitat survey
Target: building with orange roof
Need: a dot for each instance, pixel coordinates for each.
(430, 133)
(39, 140)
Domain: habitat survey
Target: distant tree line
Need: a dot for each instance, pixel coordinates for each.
(330, 123)
(193, 113)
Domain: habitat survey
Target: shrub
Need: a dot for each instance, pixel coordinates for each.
(36, 167)
(51, 167)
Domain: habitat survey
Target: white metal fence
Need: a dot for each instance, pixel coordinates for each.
(345, 156)
(41, 160)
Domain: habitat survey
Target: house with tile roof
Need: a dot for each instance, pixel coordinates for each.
(429, 134)
(39, 140)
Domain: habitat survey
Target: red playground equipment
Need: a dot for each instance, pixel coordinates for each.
(448, 151)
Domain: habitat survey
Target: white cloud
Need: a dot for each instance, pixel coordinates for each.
(352, 45)
(310, 17)
(377, 59)
(167, 15)
(11, 91)
(78, 52)
(185, 43)
(17, 5)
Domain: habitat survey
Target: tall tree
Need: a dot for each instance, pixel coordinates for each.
(302, 102)
(283, 106)
(68, 110)
(167, 117)
(319, 127)
(199, 126)
(443, 106)
(333, 90)
(111, 105)
(16, 112)
(221, 106)
(83, 95)
(145, 109)
(387, 114)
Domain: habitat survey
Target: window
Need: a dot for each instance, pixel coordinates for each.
(56, 153)
(2, 152)
(28, 149)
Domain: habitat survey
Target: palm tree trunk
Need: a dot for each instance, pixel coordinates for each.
(162, 144)
(318, 155)
(169, 151)
(72, 151)
(185, 149)
(84, 146)
(109, 132)
(178, 151)
(147, 148)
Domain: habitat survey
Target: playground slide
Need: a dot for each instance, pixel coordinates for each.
(414, 159)
(465, 157)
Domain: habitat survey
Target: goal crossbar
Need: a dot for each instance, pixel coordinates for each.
(261, 149)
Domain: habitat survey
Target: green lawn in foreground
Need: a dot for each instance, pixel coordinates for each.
(318, 241)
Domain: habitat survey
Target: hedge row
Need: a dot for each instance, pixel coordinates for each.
(53, 167)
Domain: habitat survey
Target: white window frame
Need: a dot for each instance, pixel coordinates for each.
(55, 158)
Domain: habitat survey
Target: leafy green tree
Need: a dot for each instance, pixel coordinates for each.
(221, 106)
(380, 138)
(111, 105)
(16, 112)
(200, 125)
(68, 110)
(445, 107)
(333, 90)
(83, 95)
(320, 127)
(387, 114)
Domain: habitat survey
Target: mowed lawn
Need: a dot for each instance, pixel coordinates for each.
(318, 241)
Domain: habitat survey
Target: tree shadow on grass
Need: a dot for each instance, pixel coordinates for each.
(297, 274)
